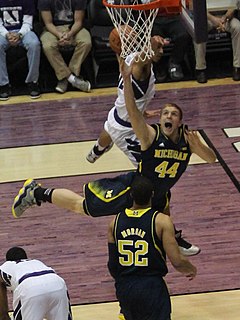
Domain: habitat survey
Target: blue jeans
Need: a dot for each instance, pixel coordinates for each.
(32, 44)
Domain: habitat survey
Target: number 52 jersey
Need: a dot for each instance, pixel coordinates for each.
(139, 250)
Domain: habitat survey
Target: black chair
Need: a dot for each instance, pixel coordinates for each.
(17, 65)
(100, 28)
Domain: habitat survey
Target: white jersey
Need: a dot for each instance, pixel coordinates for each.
(35, 287)
(118, 124)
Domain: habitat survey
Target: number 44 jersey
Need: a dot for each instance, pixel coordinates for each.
(165, 161)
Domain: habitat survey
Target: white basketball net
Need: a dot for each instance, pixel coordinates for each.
(136, 39)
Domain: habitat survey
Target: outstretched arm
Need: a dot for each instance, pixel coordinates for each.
(197, 147)
(144, 132)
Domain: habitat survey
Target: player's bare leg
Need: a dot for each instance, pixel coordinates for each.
(67, 199)
(32, 194)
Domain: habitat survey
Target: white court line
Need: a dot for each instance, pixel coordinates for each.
(60, 160)
(232, 132)
(237, 146)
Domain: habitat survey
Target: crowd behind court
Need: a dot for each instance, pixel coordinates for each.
(63, 27)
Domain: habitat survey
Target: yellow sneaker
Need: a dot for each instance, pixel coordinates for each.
(121, 316)
(25, 198)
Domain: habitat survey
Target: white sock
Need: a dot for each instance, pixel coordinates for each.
(100, 148)
(71, 78)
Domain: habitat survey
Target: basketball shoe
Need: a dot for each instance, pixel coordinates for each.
(25, 198)
(95, 153)
(121, 316)
(186, 248)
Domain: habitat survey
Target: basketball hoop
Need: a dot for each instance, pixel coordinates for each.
(140, 18)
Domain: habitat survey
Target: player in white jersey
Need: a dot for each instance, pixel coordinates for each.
(38, 292)
(117, 128)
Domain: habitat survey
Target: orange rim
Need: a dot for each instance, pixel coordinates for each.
(146, 6)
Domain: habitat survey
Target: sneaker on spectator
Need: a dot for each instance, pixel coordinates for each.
(34, 90)
(81, 84)
(94, 154)
(236, 74)
(4, 92)
(186, 248)
(175, 71)
(62, 86)
(201, 76)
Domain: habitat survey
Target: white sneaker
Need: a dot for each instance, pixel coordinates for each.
(94, 153)
(185, 247)
(81, 84)
(191, 251)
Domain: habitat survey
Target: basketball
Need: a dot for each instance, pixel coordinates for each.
(114, 41)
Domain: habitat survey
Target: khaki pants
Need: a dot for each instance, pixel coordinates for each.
(233, 27)
(82, 43)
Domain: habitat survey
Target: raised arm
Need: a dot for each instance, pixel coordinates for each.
(165, 231)
(144, 132)
(197, 147)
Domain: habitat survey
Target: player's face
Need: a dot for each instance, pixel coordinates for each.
(170, 120)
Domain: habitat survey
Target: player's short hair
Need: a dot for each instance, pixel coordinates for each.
(141, 190)
(16, 254)
(171, 104)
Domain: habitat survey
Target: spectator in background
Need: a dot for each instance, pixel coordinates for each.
(16, 21)
(38, 292)
(169, 25)
(63, 28)
(223, 23)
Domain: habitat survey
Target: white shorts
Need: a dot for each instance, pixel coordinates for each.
(38, 300)
(123, 136)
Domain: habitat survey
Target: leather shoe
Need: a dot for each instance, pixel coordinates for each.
(201, 76)
(175, 71)
(236, 74)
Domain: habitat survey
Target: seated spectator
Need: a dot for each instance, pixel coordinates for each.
(63, 28)
(170, 26)
(16, 19)
(223, 23)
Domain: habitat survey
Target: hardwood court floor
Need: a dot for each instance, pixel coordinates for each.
(49, 138)
(208, 306)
